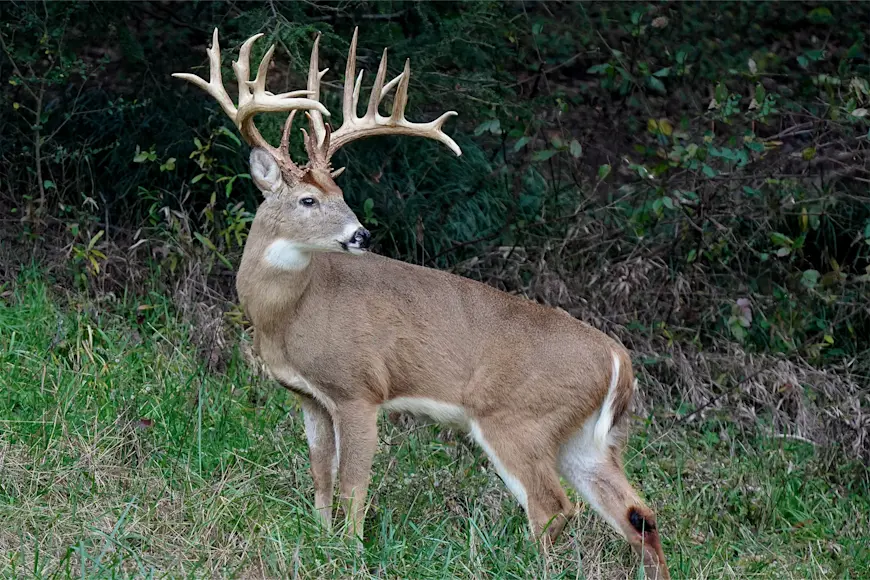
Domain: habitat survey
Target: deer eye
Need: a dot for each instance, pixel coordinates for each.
(308, 202)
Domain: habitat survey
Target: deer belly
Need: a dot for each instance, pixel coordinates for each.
(445, 413)
(290, 379)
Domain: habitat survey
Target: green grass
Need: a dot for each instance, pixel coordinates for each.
(122, 455)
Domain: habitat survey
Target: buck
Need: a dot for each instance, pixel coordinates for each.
(351, 332)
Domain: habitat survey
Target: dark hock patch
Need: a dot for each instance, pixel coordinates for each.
(640, 523)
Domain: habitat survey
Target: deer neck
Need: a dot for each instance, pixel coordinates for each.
(273, 277)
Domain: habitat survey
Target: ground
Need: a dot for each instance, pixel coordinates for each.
(123, 454)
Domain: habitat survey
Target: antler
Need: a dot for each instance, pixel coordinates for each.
(322, 143)
(254, 98)
(325, 143)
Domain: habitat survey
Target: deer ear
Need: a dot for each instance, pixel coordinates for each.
(265, 172)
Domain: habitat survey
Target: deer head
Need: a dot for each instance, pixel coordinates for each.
(304, 209)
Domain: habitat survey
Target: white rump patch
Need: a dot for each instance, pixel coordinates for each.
(513, 484)
(583, 454)
(580, 458)
(445, 413)
(605, 417)
(286, 255)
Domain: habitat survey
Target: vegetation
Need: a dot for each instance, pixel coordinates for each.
(691, 178)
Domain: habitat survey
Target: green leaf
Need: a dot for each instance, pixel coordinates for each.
(491, 125)
(656, 85)
(169, 165)
(368, 205)
(668, 202)
(603, 172)
(537, 28)
(820, 15)
(197, 178)
(781, 239)
(721, 93)
(755, 146)
(543, 155)
(48, 184)
(95, 239)
(521, 142)
(810, 279)
(708, 171)
(599, 68)
(662, 72)
(815, 55)
(575, 148)
(205, 241)
(231, 135)
(737, 330)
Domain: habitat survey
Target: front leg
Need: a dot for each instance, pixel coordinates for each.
(357, 443)
(322, 452)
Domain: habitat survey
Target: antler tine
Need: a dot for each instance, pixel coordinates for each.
(351, 93)
(372, 123)
(242, 68)
(215, 84)
(356, 89)
(314, 76)
(375, 97)
(389, 86)
(401, 99)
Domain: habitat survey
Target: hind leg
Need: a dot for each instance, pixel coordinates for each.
(604, 486)
(529, 475)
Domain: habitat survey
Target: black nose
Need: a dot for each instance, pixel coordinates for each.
(361, 238)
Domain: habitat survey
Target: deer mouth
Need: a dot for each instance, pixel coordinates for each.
(351, 248)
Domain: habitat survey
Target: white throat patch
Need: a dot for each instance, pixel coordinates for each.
(286, 255)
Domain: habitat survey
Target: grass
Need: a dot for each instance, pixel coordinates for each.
(122, 455)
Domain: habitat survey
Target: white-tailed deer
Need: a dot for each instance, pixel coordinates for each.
(353, 332)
